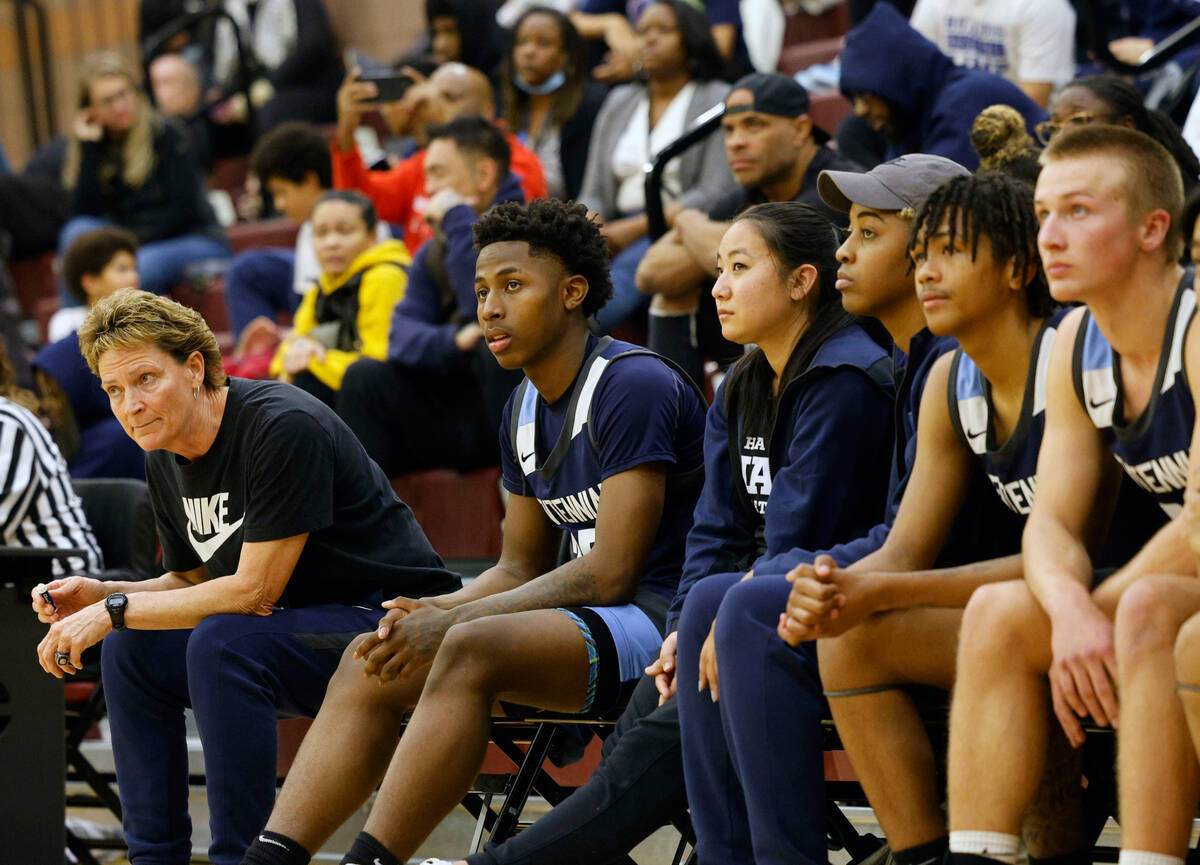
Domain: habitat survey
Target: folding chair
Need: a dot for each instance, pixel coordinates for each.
(122, 520)
(538, 732)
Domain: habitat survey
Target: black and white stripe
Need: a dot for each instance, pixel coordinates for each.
(38, 506)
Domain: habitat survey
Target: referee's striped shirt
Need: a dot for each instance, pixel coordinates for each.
(38, 506)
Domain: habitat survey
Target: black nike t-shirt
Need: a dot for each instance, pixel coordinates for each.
(284, 464)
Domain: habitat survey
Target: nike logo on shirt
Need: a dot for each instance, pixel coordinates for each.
(209, 515)
(206, 549)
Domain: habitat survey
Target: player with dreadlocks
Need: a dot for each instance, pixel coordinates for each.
(884, 625)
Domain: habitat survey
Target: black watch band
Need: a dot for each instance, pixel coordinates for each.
(115, 604)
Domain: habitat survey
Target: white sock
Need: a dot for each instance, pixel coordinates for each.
(1143, 857)
(994, 845)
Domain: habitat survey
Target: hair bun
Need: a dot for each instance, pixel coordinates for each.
(999, 137)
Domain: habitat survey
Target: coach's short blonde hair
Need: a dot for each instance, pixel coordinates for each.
(1152, 180)
(132, 317)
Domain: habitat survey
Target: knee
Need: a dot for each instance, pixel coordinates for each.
(1147, 620)
(207, 646)
(846, 659)
(1187, 652)
(361, 376)
(996, 622)
(242, 272)
(467, 656)
(348, 686)
(700, 610)
(123, 653)
(749, 606)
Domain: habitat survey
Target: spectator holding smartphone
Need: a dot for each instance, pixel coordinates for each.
(454, 90)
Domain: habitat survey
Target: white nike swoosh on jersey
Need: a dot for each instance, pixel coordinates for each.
(207, 549)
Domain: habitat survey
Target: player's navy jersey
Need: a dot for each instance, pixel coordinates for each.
(1153, 448)
(627, 407)
(1011, 466)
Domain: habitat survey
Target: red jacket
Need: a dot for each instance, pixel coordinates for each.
(399, 193)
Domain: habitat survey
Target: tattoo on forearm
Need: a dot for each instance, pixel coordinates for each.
(574, 584)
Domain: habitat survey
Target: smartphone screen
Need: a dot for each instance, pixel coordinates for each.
(391, 88)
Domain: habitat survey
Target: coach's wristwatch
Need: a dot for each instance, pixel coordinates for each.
(115, 604)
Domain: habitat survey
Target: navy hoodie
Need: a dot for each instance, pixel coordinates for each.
(423, 329)
(984, 527)
(829, 458)
(933, 101)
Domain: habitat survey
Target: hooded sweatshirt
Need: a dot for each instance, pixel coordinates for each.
(441, 294)
(821, 466)
(358, 303)
(933, 102)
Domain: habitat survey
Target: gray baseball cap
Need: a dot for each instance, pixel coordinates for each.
(906, 181)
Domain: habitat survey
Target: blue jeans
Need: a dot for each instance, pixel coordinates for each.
(753, 762)
(160, 263)
(626, 299)
(259, 282)
(238, 673)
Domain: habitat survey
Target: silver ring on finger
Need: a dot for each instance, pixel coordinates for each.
(63, 659)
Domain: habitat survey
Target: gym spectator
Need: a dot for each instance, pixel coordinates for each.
(1140, 26)
(293, 58)
(572, 637)
(292, 163)
(612, 21)
(437, 366)
(178, 92)
(1108, 98)
(775, 153)
(1029, 42)
(1121, 393)
(399, 193)
(459, 31)
(681, 68)
(96, 265)
(550, 101)
(912, 94)
(999, 137)
(40, 508)
(280, 539)
(127, 165)
(33, 204)
(347, 314)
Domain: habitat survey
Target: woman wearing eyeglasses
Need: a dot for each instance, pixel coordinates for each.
(129, 166)
(1109, 99)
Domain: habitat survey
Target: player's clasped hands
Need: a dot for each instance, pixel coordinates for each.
(816, 601)
(405, 640)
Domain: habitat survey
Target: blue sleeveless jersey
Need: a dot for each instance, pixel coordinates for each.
(1153, 449)
(1011, 466)
(627, 407)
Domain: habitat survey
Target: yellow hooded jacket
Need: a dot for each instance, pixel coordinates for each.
(382, 277)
